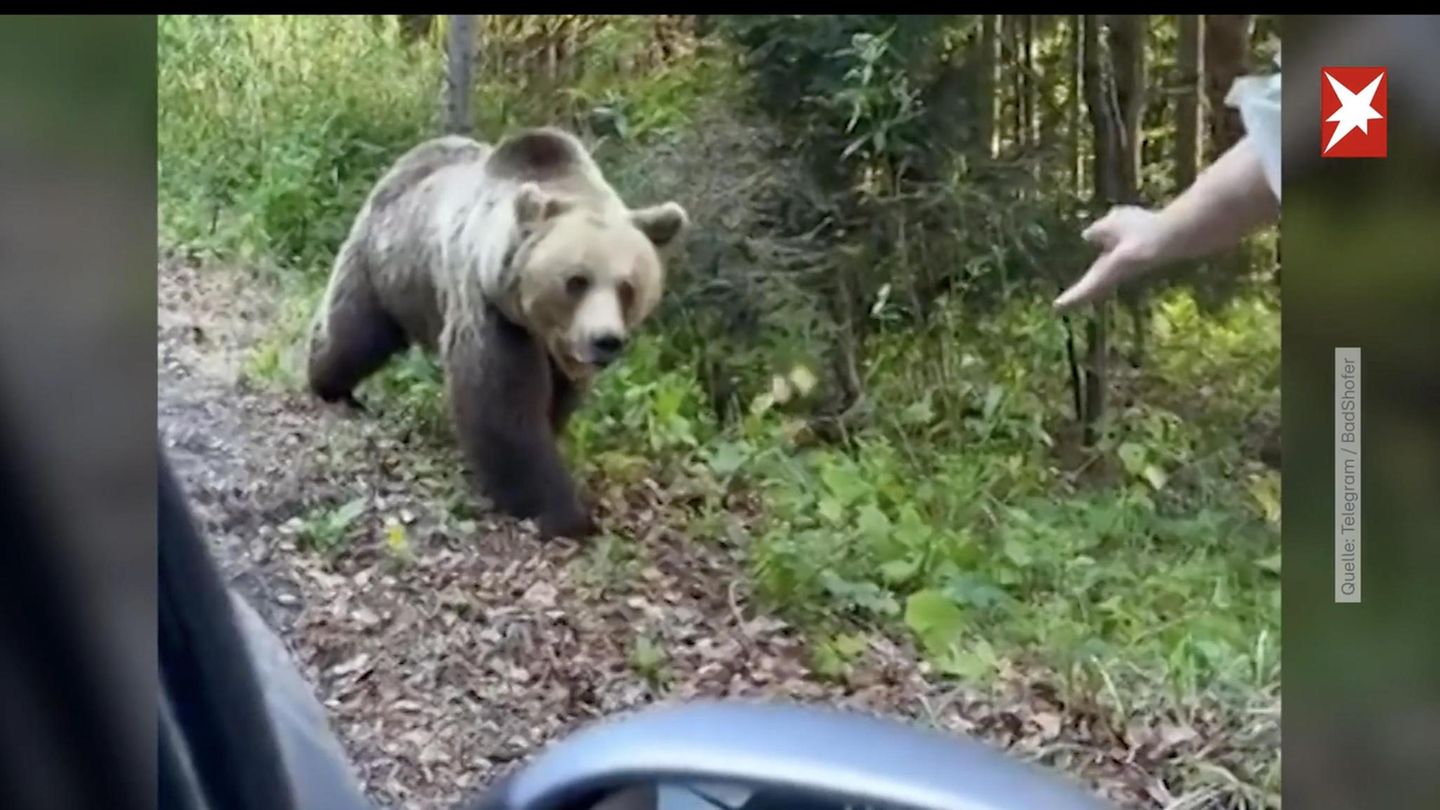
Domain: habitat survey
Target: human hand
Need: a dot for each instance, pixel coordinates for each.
(1132, 241)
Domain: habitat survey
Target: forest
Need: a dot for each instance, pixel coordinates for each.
(856, 447)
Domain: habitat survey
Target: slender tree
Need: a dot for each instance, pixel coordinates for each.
(989, 84)
(1030, 84)
(459, 69)
(1226, 51)
(1077, 145)
(1188, 100)
(1108, 169)
(1127, 54)
(1013, 46)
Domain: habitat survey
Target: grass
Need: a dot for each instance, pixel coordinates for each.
(1142, 573)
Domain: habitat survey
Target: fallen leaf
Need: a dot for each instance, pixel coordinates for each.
(541, 594)
(351, 665)
(1049, 723)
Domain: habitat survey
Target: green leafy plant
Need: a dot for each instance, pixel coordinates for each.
(327, 528)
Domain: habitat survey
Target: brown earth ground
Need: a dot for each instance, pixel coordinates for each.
(448, 650)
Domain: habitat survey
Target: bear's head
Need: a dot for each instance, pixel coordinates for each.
(587, 276)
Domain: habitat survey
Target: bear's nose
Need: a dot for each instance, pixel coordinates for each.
(606, 348)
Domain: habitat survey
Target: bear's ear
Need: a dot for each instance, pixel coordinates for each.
(661, 223)
(533, 206)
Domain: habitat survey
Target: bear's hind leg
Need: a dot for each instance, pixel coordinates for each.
(352, 338)
(501, 397)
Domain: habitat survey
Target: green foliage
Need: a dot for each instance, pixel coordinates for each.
(639, 411)
(973, 534)
(271, 131)
(648, 659)
(326, 528)
(849, 75)
(897, 209)
(273, 128)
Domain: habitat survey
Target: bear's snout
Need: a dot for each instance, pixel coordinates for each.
(606, 348)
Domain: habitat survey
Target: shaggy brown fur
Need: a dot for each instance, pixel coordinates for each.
(471, 252)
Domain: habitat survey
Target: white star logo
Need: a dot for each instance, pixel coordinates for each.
(1355, 111)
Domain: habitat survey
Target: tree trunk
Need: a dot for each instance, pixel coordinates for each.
(1017, 81)
(1030, 99)
(1017, 84)
(989, 82)
(1189, 101)
(1127, 54)
(849, 338)
(1097, 340)
(1077, 58)
(1187, 126)
(1102, 107)
(1226, 42)
(459, 69)
(1109, 170)
(1077, 379)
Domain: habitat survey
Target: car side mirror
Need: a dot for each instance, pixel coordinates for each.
(756, 756)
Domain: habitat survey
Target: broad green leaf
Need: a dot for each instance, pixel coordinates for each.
(1265, 490)
(347, 514)
(1017, 550)
(779, 389)
(912, 531)
(1020, 515)
(895, 572)
(803, 379)
(646, 655)
(918, 413)
(844, 481)
(872, 523)
(827, 661)
(668, 402)
(727, 458)
(970, 665)
(866, 596)
(1132, 456)
(1155, 476)
(1271, 563)
(850, 645)
(975, 591)
(935, 619)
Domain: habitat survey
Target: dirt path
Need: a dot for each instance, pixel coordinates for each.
(446, 659)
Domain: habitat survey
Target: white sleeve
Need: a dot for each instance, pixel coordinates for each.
(1258, 100)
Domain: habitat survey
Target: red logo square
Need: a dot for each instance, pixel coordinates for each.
(1353, 112)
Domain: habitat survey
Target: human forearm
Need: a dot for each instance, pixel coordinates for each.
(1226, 202)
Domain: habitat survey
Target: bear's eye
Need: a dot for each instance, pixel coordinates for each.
(627, 294)
(577, 284)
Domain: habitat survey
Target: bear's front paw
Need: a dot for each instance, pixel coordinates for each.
(575, 522)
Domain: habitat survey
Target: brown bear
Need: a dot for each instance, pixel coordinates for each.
(523, 270)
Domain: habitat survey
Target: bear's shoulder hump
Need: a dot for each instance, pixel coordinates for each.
(540, 154)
